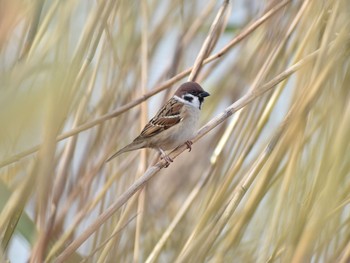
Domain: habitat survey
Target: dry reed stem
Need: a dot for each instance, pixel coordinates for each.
(33, 28)
(210, 40)
(144, 117)
(83, 211)
(59, 183)
(110, 242)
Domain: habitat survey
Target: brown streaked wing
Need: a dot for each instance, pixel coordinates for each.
(167, 116)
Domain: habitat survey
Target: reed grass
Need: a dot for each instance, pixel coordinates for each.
(268, 179)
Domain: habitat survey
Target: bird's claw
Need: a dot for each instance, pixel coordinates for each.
(167, 159)
(189, 145)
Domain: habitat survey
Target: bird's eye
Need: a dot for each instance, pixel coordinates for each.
(188, 98)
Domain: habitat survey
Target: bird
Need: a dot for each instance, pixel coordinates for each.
(174, 124)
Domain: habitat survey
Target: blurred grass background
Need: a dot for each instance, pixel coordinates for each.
(270, 184)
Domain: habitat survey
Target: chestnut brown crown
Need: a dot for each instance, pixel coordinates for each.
(193, 88)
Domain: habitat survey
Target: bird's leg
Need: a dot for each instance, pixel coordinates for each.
(189, 145)
(165, 157)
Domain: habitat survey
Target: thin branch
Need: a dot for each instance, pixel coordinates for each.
(208, 44)
(144, 113)
(33, 28)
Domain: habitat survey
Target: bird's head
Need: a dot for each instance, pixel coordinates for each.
(192, 94)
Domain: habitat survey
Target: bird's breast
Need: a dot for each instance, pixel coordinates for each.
(187, 127)
(179, 133)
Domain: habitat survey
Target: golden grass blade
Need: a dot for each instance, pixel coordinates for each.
(210, 41)
(143, 166)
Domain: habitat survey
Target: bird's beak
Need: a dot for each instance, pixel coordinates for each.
(204, 94)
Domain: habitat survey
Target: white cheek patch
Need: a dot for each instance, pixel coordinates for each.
(195, 102)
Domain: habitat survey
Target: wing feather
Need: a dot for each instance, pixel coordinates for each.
(167, 117)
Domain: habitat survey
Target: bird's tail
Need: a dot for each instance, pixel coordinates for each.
(128, 148)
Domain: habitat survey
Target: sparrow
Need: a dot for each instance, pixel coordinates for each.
(174, 124)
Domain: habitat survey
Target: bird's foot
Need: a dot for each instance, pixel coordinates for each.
(189, 145)
(167, 159)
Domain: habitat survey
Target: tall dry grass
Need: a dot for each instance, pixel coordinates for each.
(268, 179)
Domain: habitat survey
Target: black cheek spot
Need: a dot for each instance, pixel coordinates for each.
(188, 98)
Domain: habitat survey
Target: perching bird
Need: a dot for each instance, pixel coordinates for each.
(173, 125)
